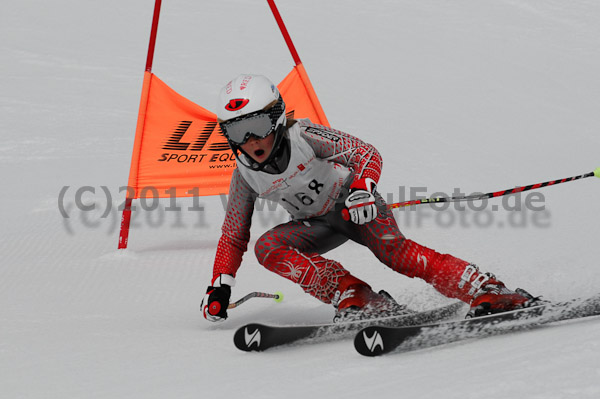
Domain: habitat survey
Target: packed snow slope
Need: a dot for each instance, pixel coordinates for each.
(464, 94)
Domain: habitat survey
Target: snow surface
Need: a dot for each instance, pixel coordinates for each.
(470, 94)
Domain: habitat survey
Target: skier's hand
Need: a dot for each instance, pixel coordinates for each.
(360, 204)
(215, 302)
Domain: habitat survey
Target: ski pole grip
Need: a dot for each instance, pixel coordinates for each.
(214, 308)
(346, 214)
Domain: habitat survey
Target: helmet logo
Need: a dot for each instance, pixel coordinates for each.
(245, 82)
(236, 104)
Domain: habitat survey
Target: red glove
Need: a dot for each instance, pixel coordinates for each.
(360, 204)
(215, 302)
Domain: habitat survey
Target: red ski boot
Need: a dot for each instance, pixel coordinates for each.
(494, 297)
(357, 301)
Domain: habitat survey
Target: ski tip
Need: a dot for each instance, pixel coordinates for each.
(278, 296)
(597, 172)
(248, 338)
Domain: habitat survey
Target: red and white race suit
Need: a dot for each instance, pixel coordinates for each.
(323, 163)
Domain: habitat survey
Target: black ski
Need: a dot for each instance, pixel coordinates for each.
(378, 340)
(259, 337)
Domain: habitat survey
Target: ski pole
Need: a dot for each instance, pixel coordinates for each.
(278, 296)
(495, 194)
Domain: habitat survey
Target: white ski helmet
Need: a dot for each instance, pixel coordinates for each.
(251, 105)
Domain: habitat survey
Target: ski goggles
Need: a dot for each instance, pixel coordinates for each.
(259, 124)
(240, 129)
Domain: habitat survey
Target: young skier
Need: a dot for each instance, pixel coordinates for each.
(326, 180)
